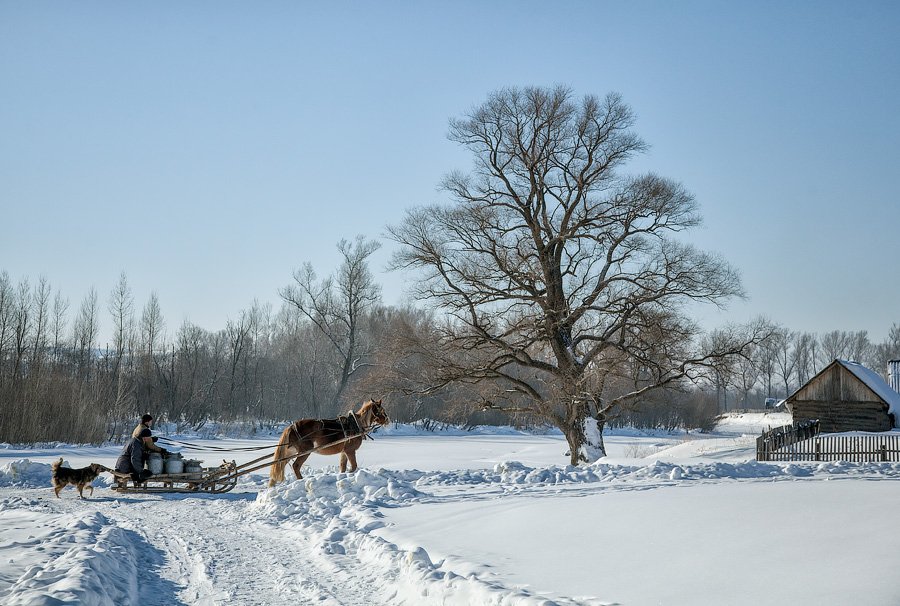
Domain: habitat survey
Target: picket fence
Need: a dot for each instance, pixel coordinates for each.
(802, 442)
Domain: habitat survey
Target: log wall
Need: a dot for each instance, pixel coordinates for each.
(841, 402)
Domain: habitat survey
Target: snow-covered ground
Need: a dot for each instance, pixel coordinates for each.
(467, 518)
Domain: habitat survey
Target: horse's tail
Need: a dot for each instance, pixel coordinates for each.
(276, 474)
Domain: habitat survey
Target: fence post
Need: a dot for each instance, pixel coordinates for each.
(884, 452)
(818, 449)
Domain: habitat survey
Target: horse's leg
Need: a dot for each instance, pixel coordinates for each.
(298, 463)
(351, 455)
(343, 461)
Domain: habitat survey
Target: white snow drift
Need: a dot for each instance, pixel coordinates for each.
(697, 522)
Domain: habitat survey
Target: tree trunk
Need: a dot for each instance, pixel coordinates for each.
(584, 435)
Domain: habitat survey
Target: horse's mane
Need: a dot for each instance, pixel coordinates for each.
(367, 405)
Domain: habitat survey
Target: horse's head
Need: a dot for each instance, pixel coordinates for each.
(374, 413)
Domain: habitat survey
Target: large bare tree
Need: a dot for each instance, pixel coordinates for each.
(84, 333)
(6, 321)
(121, 307)
(336, 305)
(152, 344)
(563, 281)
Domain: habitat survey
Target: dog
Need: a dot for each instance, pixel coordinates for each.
(79, 478)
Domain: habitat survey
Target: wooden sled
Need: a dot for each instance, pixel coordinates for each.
(211, 480)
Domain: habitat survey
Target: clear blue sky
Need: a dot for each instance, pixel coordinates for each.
(208, 149)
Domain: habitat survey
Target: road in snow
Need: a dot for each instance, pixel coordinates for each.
(466, 519)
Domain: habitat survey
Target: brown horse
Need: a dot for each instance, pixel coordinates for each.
(342, 436)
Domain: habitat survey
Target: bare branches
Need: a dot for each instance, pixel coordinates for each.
(555, 269)
(336, 304)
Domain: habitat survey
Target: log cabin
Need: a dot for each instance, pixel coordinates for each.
(846, 396)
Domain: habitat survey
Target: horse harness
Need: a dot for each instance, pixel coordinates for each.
(348, 425)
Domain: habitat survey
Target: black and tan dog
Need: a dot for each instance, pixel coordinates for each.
(79, 478)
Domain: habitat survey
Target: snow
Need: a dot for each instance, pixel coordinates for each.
(590, 450)
(456, 517)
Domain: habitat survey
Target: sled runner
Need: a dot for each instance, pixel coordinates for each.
(211, 480)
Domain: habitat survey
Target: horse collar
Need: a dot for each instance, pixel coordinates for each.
(356, 422)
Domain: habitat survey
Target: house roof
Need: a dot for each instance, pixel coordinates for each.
(876, 383)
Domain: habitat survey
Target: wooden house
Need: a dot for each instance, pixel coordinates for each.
(846, 396)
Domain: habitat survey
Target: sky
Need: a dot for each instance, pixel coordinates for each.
(209, 149)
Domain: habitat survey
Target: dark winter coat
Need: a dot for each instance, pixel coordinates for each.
(131, 458)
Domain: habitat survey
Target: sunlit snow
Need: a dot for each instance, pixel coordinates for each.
(485, 517)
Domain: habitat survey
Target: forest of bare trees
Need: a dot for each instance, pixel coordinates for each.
(780, 365)
(59, 382)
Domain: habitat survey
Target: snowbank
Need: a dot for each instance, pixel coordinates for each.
(25, 473)
(339, 513)
(343, 513)
(335, 538)
(86, 560)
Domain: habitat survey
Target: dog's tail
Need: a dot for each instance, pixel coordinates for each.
(56, 465)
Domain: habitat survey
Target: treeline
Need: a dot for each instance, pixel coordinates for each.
(305, 359)
(322, 352)
(788, 359)
(264, 367)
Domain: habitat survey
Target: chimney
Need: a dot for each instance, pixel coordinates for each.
(894, 375)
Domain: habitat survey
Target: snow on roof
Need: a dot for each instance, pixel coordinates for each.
(876, 383)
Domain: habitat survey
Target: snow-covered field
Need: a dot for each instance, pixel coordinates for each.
(467, 518)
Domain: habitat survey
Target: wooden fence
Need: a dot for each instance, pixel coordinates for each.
(802, 442)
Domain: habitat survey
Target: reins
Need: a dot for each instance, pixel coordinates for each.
(363, 432)
(192, 446)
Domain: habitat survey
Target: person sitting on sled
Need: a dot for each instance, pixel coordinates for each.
(133, 456)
